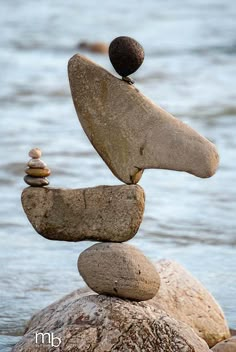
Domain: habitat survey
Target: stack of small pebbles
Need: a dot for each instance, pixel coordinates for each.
(37, 170)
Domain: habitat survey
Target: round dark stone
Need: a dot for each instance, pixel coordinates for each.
(126, 55)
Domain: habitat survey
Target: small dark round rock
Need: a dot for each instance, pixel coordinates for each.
(126, 55)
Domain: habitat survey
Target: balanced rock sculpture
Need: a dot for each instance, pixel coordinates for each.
(131, 133)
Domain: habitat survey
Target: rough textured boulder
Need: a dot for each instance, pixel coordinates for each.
(108, 324)
(104, 213)
(119, 269)
(186, 299)
(129, 131)
(228, 345)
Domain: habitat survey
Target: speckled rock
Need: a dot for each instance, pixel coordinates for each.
(184, 298)
(104, 213)
(126, 55)
(37, 172)
(87, 323)
(36, 181)
(35, 153)
(118, 269)
(228, 345)
(37, 164)
(129, 131)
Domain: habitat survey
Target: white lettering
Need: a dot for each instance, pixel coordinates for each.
(47, 337)
(58, 341)
(42, 337)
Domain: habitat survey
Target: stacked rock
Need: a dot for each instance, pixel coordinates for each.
(131, 134)
(37, 170)
(108, 214)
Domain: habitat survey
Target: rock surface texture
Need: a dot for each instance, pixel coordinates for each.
(186, 299)
(129, 131)
(228, 345)
(95, 323)
(104, 213)
(118, 269)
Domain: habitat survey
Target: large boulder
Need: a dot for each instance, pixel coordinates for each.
(129, 131)
(184, 298)
(84, 323)
(103, 213)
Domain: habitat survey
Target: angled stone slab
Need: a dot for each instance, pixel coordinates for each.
(104, 213)
(129, 131)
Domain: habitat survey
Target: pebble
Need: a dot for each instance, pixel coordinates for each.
(126, 55)
(35, 153)
(37, 164)
(36, 181)
(38, 172)
(139, 134)
(120, 270)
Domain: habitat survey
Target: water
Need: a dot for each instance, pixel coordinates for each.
(189, 70)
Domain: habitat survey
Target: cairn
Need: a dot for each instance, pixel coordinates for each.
(37, 170)
(131, 133)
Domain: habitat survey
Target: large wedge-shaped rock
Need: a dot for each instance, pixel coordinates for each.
(83, 322)
(129, 131)
(104, 213)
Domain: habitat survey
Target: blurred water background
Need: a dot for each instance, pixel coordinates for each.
(189, 70)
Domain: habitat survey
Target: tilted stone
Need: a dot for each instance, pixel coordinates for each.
(129, 131)
(104, 213)
(118, 269)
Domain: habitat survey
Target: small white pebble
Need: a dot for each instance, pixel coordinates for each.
(35, 153)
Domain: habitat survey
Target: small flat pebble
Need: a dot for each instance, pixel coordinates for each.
(119, 269)
(35, 153)
(36, 181)
(37, 164)
(38, 172)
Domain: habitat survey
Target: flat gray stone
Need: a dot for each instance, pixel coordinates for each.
(104, 213)
(129, 131)
(92, 323)
(118, 269)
